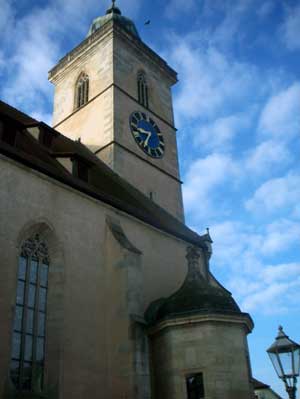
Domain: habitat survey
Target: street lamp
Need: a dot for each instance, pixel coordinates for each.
(285, 356)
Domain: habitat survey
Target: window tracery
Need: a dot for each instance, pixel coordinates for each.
(82, 90)
(29, 328)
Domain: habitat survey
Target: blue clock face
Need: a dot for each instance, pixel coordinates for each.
(147, 134)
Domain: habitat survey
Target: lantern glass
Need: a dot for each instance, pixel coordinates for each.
(286, 362)
(276, 364)
(297, 361)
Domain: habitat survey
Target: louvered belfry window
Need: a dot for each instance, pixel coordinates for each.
(143, 90)
(29, 328)
(82, 90)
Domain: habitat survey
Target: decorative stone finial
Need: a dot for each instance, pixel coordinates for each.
(192, 256)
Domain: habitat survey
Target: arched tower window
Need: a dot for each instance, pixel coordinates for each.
(82, 90)
(28, 340)
(142, 89)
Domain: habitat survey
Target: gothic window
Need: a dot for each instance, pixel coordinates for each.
(28, 337)
(82, 90)
(195, 386)
(142, 89)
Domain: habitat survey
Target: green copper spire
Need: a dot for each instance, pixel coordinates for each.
(114, 13)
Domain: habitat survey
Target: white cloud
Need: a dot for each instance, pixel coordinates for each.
(269, 298)
(280, 236)
(235, 242)
(219, 134)
(244, 251)
(36, 43)
(281, 115)
(33, 50)
(281, 272)
(210, 81)
(279, 194)
(266, 155)
(236, 246)
(291, 28)
(203, 176)
(33, 57)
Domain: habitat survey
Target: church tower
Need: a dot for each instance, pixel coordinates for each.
(114, 94)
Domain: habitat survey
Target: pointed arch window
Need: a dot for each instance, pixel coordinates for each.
(143, 92)
(29, 328)
(82, 90)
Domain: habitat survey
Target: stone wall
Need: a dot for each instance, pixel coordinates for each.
(94, 283)
(212, 345)
(112, 63)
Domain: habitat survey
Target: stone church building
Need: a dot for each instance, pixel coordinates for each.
(105, 293)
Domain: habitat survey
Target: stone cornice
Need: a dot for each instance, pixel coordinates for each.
(114, 28)
(193, 319)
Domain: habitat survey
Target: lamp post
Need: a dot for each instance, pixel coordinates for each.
(285, 356)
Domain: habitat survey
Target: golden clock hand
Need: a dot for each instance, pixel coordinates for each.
(140, 129)
(147, 132)
(147, 139)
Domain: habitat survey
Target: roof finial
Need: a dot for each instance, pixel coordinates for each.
(113, 9)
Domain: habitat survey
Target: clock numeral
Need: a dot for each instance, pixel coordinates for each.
(144, 116)
(134, 120)
(138, 116)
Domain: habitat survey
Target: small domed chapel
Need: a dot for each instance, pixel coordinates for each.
(105, 293)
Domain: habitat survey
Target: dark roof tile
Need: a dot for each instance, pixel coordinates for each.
(104, 184)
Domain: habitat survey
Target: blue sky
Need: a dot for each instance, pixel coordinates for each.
(237, 107)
